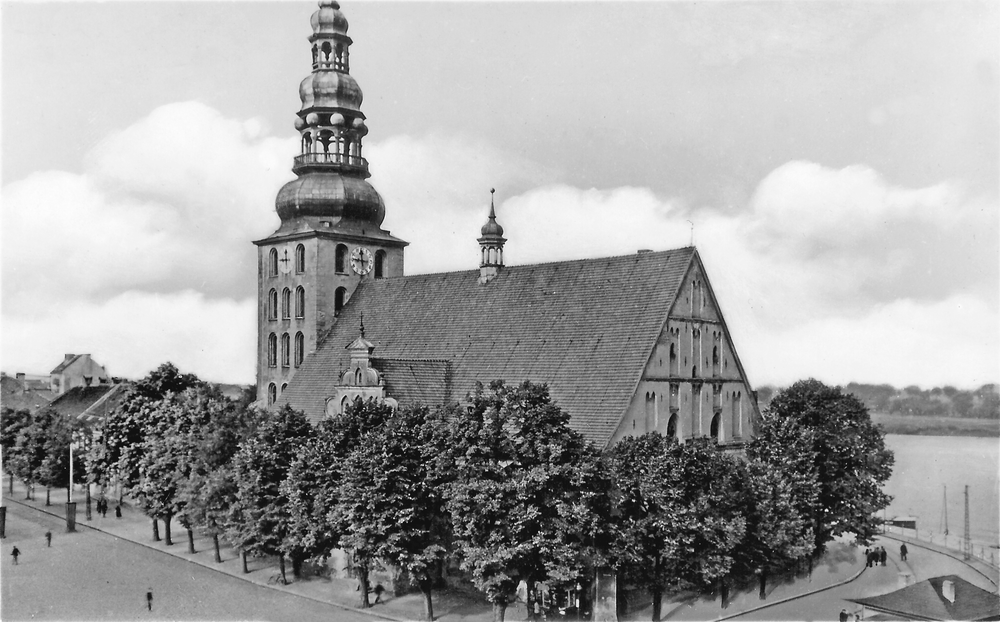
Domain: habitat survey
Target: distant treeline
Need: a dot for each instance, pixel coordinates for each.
(947, 401)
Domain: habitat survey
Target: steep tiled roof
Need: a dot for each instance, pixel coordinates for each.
(925, 601)
(416, 381)
(585, 327)
(69, 360)
(77, 400)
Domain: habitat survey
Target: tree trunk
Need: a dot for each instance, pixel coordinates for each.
(48, 492)
(218, 555)
(425, 589)
(657, 604)
(27, 491)
(281, 565)
(156, 531)
(243, 558)
(724, 590)
(499, 611)
(166, 530)
(763, 583)
(190, 539)
(89, 514)
(363, 585)
(297, 566)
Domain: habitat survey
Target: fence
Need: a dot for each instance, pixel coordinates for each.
(983, 552)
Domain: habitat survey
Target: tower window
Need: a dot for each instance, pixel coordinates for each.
(272, 394)
(272, 262)
(300, 259)
(339, 298)
(284, 385)
(672, 427)
(300, 302)
(379, 264)
(300, 346)
(286, 303)
(340, 265)
(715, 429)
(285, 347)
(272, 350)
(272, 304)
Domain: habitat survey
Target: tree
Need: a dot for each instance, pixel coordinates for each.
(814, 430)
(529, 494)
(391, 501)
(11, 423)
(259, 521)
(678, 520)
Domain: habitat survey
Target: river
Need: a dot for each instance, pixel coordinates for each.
(926, 464)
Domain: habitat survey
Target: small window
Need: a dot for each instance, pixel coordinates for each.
(379, 264)
(341, 258)
(715, 427)
(285, 347)
(272, 394)
(343, 405)
(284, 385)
(272, 304)
(272, 268)
(672, 427)
(300, 347)
(300, 259)
(300, 302)
(286, 303)
(339, 299)
(272, 350)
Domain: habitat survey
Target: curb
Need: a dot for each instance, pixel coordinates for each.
(791, 598)
(945, 552)
(381, 616)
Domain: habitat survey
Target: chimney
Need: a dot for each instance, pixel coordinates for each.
(68, 357)
(948, 591)
(19, 375)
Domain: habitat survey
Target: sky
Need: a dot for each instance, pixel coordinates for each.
(835, 163)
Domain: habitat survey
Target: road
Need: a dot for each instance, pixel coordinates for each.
(89, 575)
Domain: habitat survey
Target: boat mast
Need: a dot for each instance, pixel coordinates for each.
(944, 510)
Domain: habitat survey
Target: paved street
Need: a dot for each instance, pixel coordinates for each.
(90, 575)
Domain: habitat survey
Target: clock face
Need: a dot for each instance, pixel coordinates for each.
(362, 260)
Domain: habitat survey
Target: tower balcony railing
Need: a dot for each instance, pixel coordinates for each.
(324, 158)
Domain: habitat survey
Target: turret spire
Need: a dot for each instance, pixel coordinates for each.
(491, 245)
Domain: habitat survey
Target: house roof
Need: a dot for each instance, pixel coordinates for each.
(17, 394)
(78, 400)
(925, 601)
(584, 327)
(69, 360)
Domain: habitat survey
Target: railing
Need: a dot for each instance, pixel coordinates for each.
(983, 552)
(309, 159)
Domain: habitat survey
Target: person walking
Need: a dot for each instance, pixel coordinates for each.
(902, 551)
(48, 538)
(882, 555)
(149, 599)
(14, 554)
(843, 615)
(868, 558)
(118, 511)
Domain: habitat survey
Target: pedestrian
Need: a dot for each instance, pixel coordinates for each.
(15, 553)
(149, 599)
(100, 506)
(902, 551)
(843, 615)
(868, 558)
(882, 556)
(118, 511)
(48, 538)
(378, 592)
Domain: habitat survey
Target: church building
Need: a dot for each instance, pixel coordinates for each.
(626, 344)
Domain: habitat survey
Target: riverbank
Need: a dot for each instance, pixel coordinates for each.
(937, 426)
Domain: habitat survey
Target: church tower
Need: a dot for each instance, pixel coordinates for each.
(330, 238)
(490, 246)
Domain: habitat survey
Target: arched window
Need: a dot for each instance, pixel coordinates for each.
(285, 347)
(272, 262)
(300, 302)
(343, 405)
(284, 385)
(650, 412)
(672, 427)
(715, 430)
(300, 348)
(272, 394)
(272, 304)
(272, 350)
(339, 298)
(300, 259)
(340, 265)
(286, 303)
(694, 371)
(379, 264)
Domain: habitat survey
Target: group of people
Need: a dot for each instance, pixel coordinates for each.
(875, 556)
(102, 508)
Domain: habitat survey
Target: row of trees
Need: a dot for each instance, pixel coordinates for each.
(947, 401)
(36, 449)
(502, 484)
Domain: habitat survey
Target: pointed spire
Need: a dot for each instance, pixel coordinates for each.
(491, 245)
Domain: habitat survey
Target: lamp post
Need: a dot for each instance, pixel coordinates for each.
(70, 506)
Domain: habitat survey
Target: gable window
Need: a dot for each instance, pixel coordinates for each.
(379, 264)
(286, 303)
(285, 343)
(300, 302)
(284, 385)
(340, 263)
(272, 350)
(272, 262)
(272, 304)
(300, 259)
(300, 347)
(272, 394)
(339, 299)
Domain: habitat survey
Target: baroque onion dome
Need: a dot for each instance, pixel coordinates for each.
(491, 242)
(332, 174)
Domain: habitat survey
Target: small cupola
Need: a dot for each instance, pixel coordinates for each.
(491, 246)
